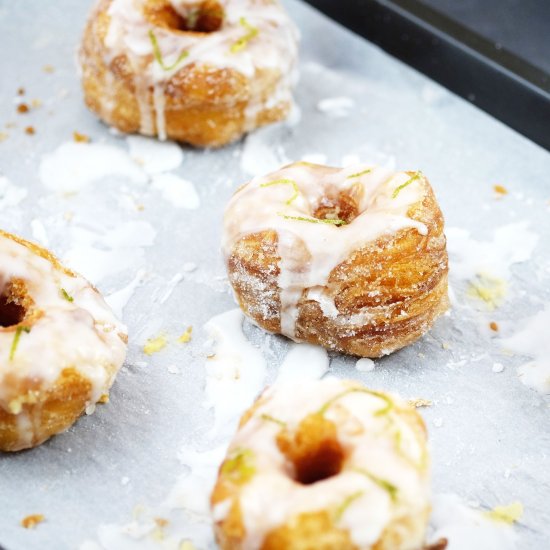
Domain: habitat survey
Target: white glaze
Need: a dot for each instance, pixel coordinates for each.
(532, 341)
(10, 194)
(83, 334)
(272, 497)
(310, 251)
(274, 48)
(153, 156)
(73, 166)
(302, 363)
(466, 528)
(179, 192)
(511, 244)
(235, 372)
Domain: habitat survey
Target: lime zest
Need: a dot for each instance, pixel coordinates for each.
(239, 465)
(270, 418)
(16, 338)
(412, 179)
(340, 510)
(385, 410)
(509, 514)
(243, 41)
(390, 488)
(285, 182)
(154, 345)
(359, 174)
(158, 54)
(312, 220)
(66, 295)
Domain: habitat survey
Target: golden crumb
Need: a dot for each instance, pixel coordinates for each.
(3, 136)
(154, 345)
(30, 130)
(446, 345)
(186, 336)
(21, 91)
(30, 522)
(418, 403)
(22, 108)
(161, 522)
(140, 207)
(493, 326)
(48, 68)
(80, 138)
(104, 399)
(35, 103)
(500, 189)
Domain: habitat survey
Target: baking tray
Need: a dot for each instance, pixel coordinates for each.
(152, 452)
(472, 66)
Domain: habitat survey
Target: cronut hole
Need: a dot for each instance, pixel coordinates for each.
(205, 17)
(314, 451)
(11, 313)
(343, 207)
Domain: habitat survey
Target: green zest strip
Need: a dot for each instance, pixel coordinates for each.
(417, 176)
(285, 182)
(15, 341)
(339, 512)
(239, 466)
(158, 55)
(359, 174)
(384, 484)
(270, 418)
(385, 410)
(66, 295)
(244, 40)
(312, 220)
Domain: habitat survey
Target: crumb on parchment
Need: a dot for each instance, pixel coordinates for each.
(31, 521)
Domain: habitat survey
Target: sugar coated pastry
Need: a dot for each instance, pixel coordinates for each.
(60, 345)
(326, 465)
(199, 71)
(353, 259)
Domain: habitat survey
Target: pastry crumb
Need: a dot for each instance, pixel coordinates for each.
(80, 138)
(22, 108)
(21, 91)
(161, 522)
(187, 545)
(48, 68)
(493, 326)
(35, 103)
(29, 130)
(3, 136)
(104, 399)
(30, 522)
(500, 190)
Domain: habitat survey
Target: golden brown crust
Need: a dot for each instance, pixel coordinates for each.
(33, 409)
(400, 281)
(314, 531)
(48, 411)
(203, 106)
(313, 452)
